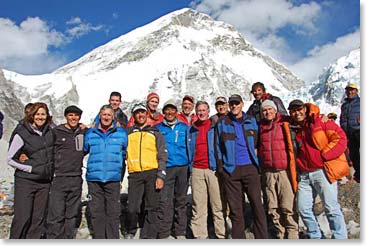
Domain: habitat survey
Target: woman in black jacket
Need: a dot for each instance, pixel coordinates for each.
(35, 139)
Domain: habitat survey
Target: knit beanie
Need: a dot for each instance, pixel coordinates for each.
(152, 95)
(268, 102)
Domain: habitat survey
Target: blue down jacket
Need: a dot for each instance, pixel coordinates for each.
(107, 153)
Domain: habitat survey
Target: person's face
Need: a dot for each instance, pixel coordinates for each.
(115, 102)
(298, 114)
(106, 116)
(350, 92)
(258, 93)
(153, 104)
(269, 113)
(72, 119)
(39, 119)
(236, 108)
(187, 107)
(222, 108)
(140, 117)
(170, 113)
(202, 112)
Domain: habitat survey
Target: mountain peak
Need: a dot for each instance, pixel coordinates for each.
(184, 52)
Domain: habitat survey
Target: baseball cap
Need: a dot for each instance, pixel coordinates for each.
(170, 102)
(138, 106)
(351, 85)
(332, 115)
(295, 104)
(220, 99)
(235, 98)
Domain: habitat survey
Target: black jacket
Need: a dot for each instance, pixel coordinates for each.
(68, 151)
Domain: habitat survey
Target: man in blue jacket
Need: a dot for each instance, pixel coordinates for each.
(350, 122)
(106, 144)
(237, 163)
(172, 209)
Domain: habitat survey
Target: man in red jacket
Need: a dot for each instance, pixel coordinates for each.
(274, 164)
(320, 145)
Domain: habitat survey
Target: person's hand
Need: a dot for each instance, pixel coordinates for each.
(23, 158)
(324, 118)
(159, 183)
(82, 126)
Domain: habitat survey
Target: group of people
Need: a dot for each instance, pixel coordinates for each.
(281, 160)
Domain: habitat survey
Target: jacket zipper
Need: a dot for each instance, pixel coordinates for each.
(141, 137)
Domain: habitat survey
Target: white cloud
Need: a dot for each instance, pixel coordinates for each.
(74, 21)
(32, 37)
(25, 48)
(321, 56)
(261, 20)
(79, 28)
(263, 16)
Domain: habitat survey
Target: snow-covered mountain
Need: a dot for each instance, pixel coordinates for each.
(328, 91)
(184, 52)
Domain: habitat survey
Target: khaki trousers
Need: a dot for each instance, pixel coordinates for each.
(281, 205)
(205, 184)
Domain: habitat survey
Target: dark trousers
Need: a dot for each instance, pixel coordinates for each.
(172, 208)
(142, 185)
(104, 208)
(30, 202)
(63, 207)
(354, 145)
(245, 179)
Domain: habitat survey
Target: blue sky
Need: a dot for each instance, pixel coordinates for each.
(39, 36)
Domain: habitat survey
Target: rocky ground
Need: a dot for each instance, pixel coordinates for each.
(349, 198)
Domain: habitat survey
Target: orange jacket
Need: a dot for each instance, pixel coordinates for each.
(291, 156)
(329, 138)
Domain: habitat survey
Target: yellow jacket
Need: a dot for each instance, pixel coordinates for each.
(146, 150)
